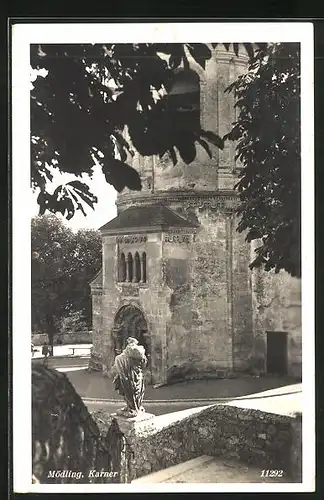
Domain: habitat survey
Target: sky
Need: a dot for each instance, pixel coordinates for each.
(104, 210)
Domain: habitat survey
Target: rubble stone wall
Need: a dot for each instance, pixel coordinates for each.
(266, 440)
(277, 307)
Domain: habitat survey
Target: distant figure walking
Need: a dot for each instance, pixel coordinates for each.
(46, 353)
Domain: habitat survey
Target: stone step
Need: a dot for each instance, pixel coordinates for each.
(208, 469)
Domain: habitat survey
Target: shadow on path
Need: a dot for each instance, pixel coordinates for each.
(96, 386)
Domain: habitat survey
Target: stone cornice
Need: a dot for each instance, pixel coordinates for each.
(136, 231)
(214, 198)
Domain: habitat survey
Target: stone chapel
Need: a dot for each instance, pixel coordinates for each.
(175, 272)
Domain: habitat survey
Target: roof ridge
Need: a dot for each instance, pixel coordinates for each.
(153, 215)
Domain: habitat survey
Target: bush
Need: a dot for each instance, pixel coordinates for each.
(74, 322)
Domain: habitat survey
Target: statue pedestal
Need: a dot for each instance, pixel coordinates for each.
(134, 425)
(132, 428)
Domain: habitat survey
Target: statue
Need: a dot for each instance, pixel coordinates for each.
(128, 378)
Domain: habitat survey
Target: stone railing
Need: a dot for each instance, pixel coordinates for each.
(99, 447)
(264, 440)
(67, 445)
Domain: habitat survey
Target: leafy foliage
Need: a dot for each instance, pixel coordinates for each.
(73, 322)
(267, 132)
(63, 263)
(65, 436)
(97, 103)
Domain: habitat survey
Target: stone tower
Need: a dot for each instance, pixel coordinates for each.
(175, 270)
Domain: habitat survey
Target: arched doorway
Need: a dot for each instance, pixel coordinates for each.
(130, 322)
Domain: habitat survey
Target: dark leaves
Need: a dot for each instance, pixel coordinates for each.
(267, 132)
(123, 146)
(262, 46)
(66, 199)
(186, 149)
(43, 201)
(173, 155)
(77, 115)
(236, 48)
(233, 135)
(81, 191)
(200, 52)
(213, 138)
(205, 145)
(121, 175)
(175, 61)
(249, 49)
(174, 50)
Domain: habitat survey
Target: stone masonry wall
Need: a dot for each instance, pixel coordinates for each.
(266, 440)
(240, 297)
(217, 113)
(197, 299)
(195, 275)
(277, 307)
(191, 322)
(177, 294)
(206, 312)
(148, 297)
(210, 326)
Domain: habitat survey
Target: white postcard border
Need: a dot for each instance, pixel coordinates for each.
(22, 36)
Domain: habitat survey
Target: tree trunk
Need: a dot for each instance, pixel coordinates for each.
(50, 332)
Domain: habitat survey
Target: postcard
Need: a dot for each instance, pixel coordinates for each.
(163, 256)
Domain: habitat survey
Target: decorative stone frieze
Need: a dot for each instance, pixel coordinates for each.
(188, 199)
(177, 238)
(137, 238)
(215, 202)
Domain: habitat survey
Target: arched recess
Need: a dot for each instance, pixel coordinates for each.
(129, 267)
(144, 273)
(130, 322)
(137, 268)
(122, 267)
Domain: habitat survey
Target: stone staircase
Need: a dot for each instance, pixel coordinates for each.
(208, 469)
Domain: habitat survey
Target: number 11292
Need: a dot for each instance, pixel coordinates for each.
(272, 473)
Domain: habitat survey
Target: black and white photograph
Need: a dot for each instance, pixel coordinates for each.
(163, 239)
